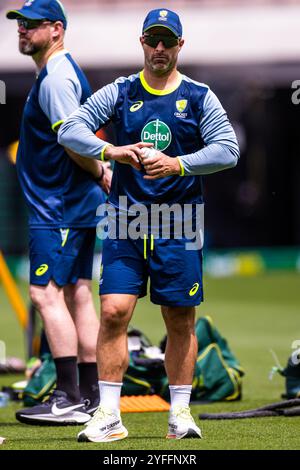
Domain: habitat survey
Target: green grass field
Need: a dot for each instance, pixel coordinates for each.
(255, 314)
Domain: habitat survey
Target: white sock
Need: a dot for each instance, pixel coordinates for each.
(110, 393)
(180, 395)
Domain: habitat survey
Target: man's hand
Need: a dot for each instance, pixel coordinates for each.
(129, 154)
(160, 166)
(105, 181)
(101, 172)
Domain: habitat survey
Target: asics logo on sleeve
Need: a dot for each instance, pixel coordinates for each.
(63, 411)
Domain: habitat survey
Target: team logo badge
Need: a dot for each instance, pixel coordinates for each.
(181, 105)
(157, 133)
(42, 270)
(163, 15)
(194, 289)
(136, 106)
(29, 3)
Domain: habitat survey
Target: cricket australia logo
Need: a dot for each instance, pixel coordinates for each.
(157, 133)
(29, 3)
(163, 15)
(181, 106)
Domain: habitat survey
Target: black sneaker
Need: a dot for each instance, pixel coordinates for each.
(91, 405)
(57, 410)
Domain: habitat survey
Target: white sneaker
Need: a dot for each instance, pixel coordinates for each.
(182, 424)
(104, 426)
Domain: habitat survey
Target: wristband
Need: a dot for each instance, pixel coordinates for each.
(102, 155)
(181, 166)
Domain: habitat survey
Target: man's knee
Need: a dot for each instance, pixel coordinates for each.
(42, 296)
(114, 315)
(179, 320)
(79, 294)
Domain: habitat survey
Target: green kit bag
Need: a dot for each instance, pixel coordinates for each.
(218, 373)
(145, 375)
(41, 383)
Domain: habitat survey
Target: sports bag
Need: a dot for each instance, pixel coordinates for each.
(41, 383)
(217, 373)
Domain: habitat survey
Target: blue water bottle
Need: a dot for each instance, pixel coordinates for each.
(4, 399)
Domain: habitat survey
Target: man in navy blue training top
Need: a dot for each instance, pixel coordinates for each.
(190, 135)
(62, 191)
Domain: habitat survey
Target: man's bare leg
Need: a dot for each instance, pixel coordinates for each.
(80, 303)
(180, 359)
(182, 346)
(61, 334)
(112, 347)
(112, 359)
(59, 326)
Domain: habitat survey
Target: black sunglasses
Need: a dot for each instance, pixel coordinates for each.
(31, 24)
(153, 40)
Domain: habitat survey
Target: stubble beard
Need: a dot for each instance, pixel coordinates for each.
(160, 69)
(28, 49)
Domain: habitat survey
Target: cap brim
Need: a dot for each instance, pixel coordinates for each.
(15, 14)
(161, 26)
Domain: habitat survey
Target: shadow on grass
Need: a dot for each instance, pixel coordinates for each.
(49, 439)
(3, 425)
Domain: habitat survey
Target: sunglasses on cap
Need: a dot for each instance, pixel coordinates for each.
(153, 40)
(31, 24)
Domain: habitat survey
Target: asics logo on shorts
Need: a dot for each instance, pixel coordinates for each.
(42, 270)
(194, 289)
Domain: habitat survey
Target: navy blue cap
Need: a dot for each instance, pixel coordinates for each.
(166, 18)
(52, 10)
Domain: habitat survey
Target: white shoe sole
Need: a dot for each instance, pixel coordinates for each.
(114, 435)
(190, 434)
(68, 419)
